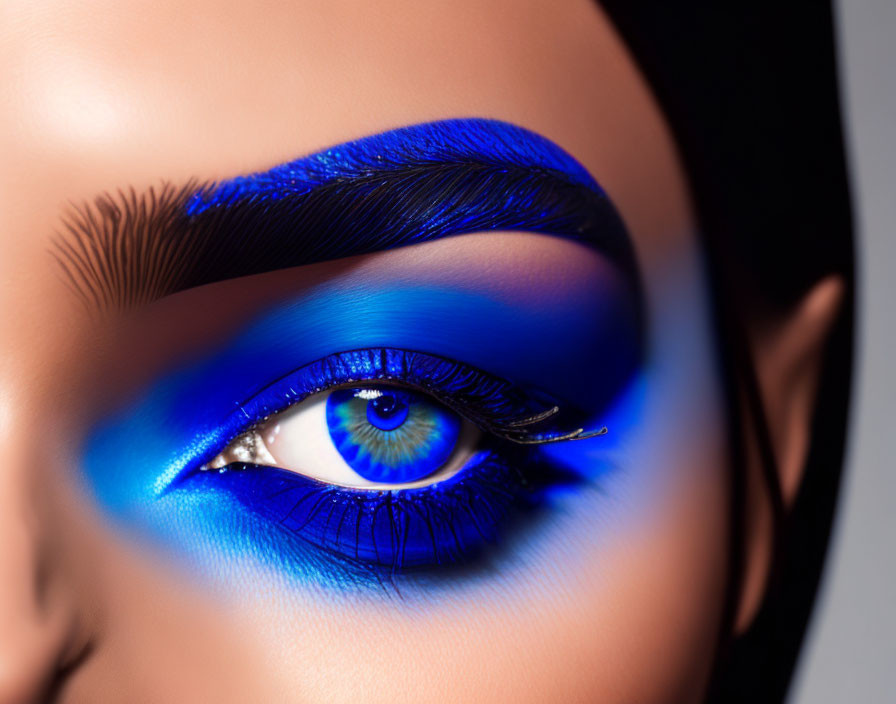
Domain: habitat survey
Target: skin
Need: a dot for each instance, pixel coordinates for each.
(106, 95)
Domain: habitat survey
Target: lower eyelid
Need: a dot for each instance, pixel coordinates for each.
(458, 522)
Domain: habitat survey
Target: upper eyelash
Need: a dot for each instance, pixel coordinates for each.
(495, 405)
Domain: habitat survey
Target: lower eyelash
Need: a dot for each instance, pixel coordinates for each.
(447, 524)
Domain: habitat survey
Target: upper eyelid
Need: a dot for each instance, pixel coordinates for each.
(513, 412)
(504, 387)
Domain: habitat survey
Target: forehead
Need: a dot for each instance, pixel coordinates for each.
(100, 96)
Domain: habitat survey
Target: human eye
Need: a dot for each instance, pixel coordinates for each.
(391, 459)
(375, 367)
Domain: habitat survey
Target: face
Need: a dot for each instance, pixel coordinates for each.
(416, 401)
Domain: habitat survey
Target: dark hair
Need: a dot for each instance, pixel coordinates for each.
(750, 93)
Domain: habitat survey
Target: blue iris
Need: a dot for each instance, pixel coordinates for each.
(391, 435)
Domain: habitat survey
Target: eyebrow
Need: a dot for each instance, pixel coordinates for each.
(409, 185)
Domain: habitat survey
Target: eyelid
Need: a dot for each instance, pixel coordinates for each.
(497, 406)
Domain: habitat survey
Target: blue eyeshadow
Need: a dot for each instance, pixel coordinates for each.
(143, 460)
(183, 415)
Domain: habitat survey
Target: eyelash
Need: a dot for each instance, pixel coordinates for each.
(448, 523)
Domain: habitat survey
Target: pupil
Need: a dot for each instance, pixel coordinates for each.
(386, 412)
(385, 405)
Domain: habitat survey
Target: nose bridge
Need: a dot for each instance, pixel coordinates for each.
(35, 616)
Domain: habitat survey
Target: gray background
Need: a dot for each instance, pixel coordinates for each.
(850, 654)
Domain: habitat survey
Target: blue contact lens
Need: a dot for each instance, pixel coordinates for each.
(391, 435)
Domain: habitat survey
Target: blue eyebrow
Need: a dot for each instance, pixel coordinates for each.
(484, 142)
(413, 184)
